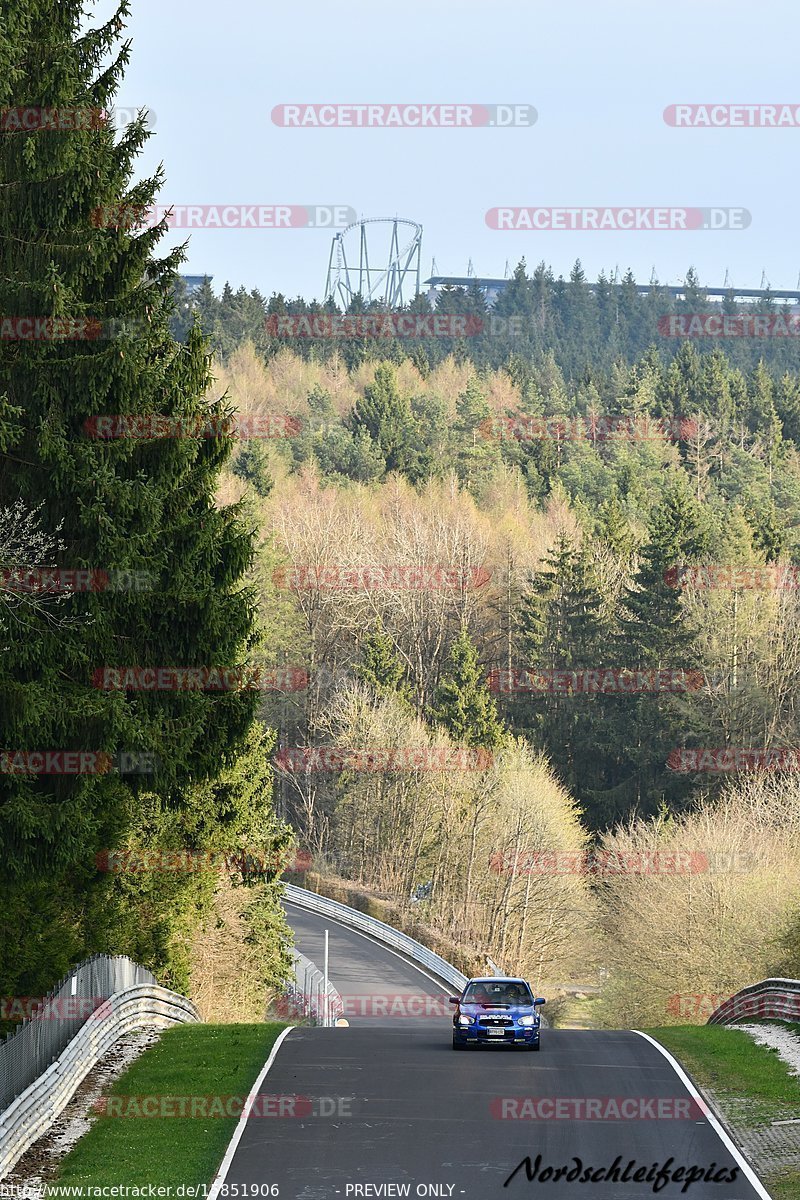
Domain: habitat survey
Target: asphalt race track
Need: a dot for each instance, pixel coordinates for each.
(376, 985)
(386, 1108)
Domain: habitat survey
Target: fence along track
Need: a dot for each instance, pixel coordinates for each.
(34, 1107)
(30, 1050)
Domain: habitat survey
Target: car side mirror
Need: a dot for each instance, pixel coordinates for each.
(455, 999)
(540, 1000)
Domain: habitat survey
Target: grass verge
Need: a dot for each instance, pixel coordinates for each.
(167, 1151)
(750, 1085)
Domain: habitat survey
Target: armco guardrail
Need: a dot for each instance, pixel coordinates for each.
(53, 1020)
(310, 997)
(379, 930)
(35, 1109)
(779, 998)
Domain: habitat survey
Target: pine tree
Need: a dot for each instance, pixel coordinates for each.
(787, 405)
(562, 621)
(122, 505)
(475, 454)
(463, 703)
(715, 390)
(694, 297)
(638, 732)
(770, 535)
(516, 298)
(563, 629)
(385, 414)
(614, 527)
(381, 667)
(763, 418)
(653, 630)
(578, 321)
(252, 464)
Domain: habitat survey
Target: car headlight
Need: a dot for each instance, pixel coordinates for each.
(464, 1020)
(527, 1021)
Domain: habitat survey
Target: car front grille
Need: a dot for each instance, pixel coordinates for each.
(506, 1022)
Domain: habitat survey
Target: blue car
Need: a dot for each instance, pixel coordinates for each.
(496, 1012)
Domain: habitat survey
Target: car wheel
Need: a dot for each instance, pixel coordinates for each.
(535, 1046)
(459, 1045)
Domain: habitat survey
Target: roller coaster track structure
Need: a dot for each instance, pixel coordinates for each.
(384, 283)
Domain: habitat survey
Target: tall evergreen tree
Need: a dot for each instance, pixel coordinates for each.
(463, 703)
(639, 731)
(475, 454)
(562, 614)
(384, 413)
(563, 629)
(653, 631)
(381, 667)
(122, 505)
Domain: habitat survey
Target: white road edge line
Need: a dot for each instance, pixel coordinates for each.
(409, 962)
(224, 1166)
(730, 1145)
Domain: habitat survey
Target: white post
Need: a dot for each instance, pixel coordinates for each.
(325, 980)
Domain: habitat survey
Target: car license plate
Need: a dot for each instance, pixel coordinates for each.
(496, 1032)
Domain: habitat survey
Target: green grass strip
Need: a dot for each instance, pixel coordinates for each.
(751, 1084)
(169, 1151)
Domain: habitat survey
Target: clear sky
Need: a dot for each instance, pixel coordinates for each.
(598, 72)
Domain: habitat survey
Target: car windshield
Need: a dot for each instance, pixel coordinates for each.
(491, 992)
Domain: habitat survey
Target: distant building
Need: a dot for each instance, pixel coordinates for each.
(194, 283)
(492, 288)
